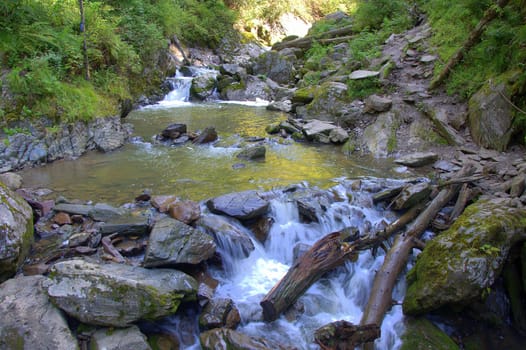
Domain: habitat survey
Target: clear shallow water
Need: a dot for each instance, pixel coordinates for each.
(199, 171)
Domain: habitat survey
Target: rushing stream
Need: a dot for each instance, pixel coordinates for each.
(198, 172)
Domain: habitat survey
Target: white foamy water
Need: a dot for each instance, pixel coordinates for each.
(341, 295)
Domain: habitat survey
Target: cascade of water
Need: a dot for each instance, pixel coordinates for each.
(180, 86)
(340, 296)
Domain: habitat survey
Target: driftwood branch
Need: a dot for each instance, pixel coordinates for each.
(326, 254)
(473, 39)
(395, 260)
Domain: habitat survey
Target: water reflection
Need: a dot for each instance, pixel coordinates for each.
(198, 171)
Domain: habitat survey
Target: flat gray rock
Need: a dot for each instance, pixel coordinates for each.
(119, 339)
(363, 74)
(418, 159)
(241, 205)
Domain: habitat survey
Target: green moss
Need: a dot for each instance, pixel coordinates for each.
(304, 95)
(12, 339)
(421, 334)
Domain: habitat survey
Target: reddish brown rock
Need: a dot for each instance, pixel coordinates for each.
(62, 219)
(163, 203)
(185, 211)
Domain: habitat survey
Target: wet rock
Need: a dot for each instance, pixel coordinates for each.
(261, 228)
(283, 106)
(185, 211)
(412, 195)
(81, 238)
(117, 294)
(227, 235)
(206, 136)
(375, 103)
(173, 242)
(418, 159)
(363, 74)
(126, 225)
(224, 339)
(173, 131)
(421, 334)
(62, 219)
(29, 320)
(275, 66)
(119, 339)
(78, 209)
(460, 263)
(106, 212)
(219, 313)
(491, 117)
(313, 206)
(240, 205)
(12, 180)
(16, 231)
(109, 134)
(387, 194)
(203, 86)
(253, 153)
(273, 128)
(320, 131)
(163, 203)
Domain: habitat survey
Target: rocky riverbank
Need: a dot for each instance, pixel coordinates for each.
(95, 266)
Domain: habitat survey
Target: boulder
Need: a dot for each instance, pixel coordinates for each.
(219, 313)
(250, 88)
(108, 133)
(75, 209)
(203, 86)
(173, 131)
(240, 205)
(459, 265)
(164, 202)
(106, 212)
(330, 102)
(253, 152)
(275, 66)
(16, 231)
(233, 70)
(324, 132)
(281, 106)
(421, 334)
(119, 339)
(174, 242)
(208, 135)
(380, 137)
(29, 318)
(375, 103)
(225, 339)
(491, 117)
(126, 225)
(116, 294)
(227, 235)
(12, 180)
(185, 211)
(418, 159)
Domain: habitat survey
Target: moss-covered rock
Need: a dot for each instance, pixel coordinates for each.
(421, 334)
(16, 231)
(117, 294)
(330, 101)
(461, 263)
(275, 66)
(203, 86)
(304, 95)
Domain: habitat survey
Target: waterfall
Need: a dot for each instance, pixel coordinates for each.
(180, 88)
(342, 295)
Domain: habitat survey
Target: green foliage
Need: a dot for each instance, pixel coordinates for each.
(501, 49)
(363, 87)
(373, 14)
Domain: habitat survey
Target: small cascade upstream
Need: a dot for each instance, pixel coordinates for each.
(341, 295)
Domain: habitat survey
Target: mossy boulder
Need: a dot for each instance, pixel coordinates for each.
(330, 102)
(461, 263)
(16, 231)
(29, 320)
(203, 86)
(117, 294)
(421, 334)
(491, 116)
(275, 66)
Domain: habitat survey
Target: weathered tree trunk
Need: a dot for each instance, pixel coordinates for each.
(343, 335)
(380, 299)
(323, 38)
(326, 254)
(473, 38)
(84, 43)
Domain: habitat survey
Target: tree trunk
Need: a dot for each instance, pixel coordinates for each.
(84, 43)
(326, 254)
(323, 38)
(380, 299)
(473, 39)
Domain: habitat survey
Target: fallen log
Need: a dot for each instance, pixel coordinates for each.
(323, 38)
(326, 254)
(380, 299)
(343, 335)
